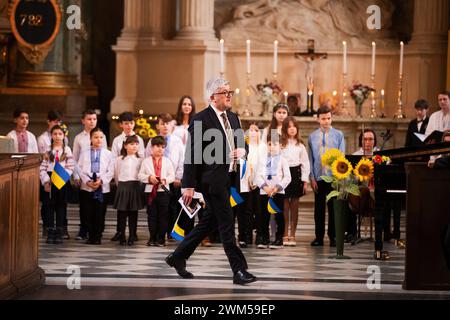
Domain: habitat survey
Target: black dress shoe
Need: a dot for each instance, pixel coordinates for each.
(317, 243)
(116, 236)
(243, 278)
(180, 267)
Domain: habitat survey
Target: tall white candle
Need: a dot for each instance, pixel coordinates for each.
(222, 56)
(345, 57)
(402, 49)
(249, 62)
(275, 57)
(374, 53)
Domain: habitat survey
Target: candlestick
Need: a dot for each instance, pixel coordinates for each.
(402, 49)
(247, 112)
(275, 57)
(222, 57)
(374, 53)
(345, 67)
(238, 91)
(344, 110)
(373, 112)
(399, 114)
(382, 105)
(249, 67)
(286, 94)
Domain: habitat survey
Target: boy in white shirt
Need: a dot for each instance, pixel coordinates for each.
(82, 143)
(127, 124)
(24, 141)
(157, 173)
(273, 177)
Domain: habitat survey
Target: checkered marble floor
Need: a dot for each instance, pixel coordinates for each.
(302, 272)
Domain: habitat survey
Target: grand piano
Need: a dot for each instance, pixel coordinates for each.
(424, 192)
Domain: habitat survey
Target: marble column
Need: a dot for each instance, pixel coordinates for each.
(430, 22)
(143, 19)
(197, 20)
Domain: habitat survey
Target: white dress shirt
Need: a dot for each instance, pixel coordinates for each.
(182, 132)
(174, 151)
(296, 155)
(44, 142)
(281, 179)
(106, 173)
(127, 169)
(118, 143)
(32, 143)
(438, 122)
(47, 166)
(147, 170)
(82, 143)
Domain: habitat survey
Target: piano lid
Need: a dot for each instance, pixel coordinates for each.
(415, 152)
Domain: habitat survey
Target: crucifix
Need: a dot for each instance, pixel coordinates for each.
(309, 58)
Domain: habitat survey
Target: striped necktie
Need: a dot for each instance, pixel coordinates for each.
(229, 134)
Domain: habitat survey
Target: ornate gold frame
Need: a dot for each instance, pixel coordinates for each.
(35, 54)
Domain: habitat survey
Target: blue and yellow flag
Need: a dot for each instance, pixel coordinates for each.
(272, 207)
(59, 176)
(177, 232)
(235, 198)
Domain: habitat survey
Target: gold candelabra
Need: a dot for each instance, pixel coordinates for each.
(248, 90)
(344, 110)
(373, 112)
(400, 114)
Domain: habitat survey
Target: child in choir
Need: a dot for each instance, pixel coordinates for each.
(96, 169)
(129, 198)
(24, 141)
(280, 113)
(294, 151)
(321, 140)
(273, 176)
(157, 173)
(175, 152)
(185, 113)
(55, 197)
(126, 123)
(81, 144)
(247, 189)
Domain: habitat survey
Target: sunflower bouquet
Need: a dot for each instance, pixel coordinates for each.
(144, 129)
(345, 179)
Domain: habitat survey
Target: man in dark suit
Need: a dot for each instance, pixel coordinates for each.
(215, 145)
(418, 125)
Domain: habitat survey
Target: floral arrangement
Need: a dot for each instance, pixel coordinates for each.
(268, 94)
(344, 179)
(360, 93)
(381, 160)
(65, 129)
(144, 129)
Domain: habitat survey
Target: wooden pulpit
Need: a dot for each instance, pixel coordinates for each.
(428, 213)
(19, 225)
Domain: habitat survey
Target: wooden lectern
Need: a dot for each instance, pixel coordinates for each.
(428, 212)
(19, 225)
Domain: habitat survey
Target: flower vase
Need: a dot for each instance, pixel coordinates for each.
(340, 221)
(359, 106)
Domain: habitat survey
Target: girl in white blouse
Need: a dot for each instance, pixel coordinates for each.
(294, 151)
(129, 196)
(56, 199)
(272, 178)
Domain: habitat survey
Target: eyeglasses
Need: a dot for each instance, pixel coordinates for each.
(228, 94)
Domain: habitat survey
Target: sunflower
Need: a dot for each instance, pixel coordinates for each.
(341, 168)
(364, 170)
(329, 157)
(142, 133)
(152, 133)
(141, 122)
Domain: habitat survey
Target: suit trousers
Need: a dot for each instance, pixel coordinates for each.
(319, 211)
(218, 214)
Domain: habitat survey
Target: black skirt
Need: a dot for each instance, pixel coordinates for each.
(129, 196)
(295, 188)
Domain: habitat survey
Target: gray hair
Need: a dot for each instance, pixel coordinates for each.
(213, 85)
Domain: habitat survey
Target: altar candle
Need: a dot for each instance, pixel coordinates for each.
(402, 49)
(249, 67)
(222, 56)
(374, 52)
(382, 100)
(345, 57)
(237, 96)
(275, 57)
(286, 94)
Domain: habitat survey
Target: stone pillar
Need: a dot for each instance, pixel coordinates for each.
(143, 19)
(430, 22)
(197, 20)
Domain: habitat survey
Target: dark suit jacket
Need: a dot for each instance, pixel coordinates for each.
(207, 177)
(411, 139)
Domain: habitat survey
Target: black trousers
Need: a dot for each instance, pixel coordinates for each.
(394, 206)
(263, 231)
(84, 209)
(158, 217)
(319, 211)
(132, 222)
(95, 215)
(245, 213)
(174, 207)
(218, 214)
(352, 227)
(56, 207)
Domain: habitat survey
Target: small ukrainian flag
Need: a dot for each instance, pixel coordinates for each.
(177, 232)
(59, 176)
(272, 207)
(235, 198)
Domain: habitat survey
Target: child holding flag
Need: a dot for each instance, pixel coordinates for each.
(273, 176)
(55, 172)
(157, 173)
(96, 169)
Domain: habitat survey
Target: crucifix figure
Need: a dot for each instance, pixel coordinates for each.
(309, 57)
